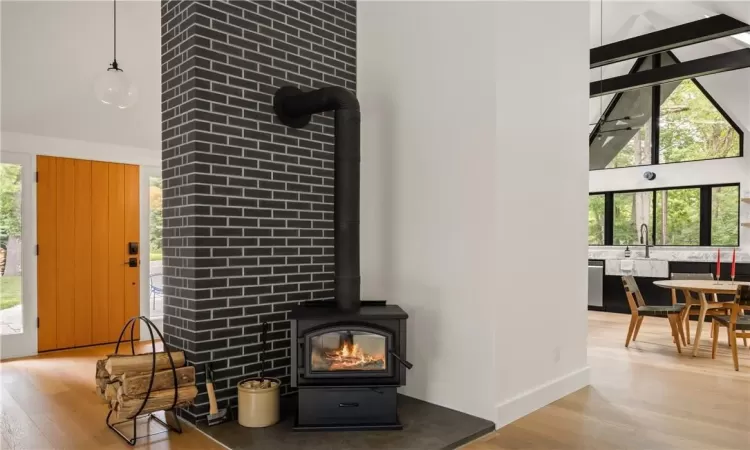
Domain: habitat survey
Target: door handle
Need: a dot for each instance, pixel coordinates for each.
(131, 262)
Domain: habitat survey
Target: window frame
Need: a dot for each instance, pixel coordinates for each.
(656, 115)
(706, 198)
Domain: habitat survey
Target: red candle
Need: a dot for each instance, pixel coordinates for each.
(734, 260)
(718, 263)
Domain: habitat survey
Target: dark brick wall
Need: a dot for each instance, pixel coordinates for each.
(248, 204)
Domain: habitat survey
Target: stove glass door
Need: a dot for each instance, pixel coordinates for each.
(348, 349)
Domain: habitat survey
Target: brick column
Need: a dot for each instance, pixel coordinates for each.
(248, 204)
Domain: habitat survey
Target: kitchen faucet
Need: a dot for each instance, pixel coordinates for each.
(643, 225)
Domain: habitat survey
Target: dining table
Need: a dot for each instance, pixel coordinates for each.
(702, 288)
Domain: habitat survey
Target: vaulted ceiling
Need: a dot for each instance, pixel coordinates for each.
(613, 21)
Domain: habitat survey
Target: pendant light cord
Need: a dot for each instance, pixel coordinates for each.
(114, 20)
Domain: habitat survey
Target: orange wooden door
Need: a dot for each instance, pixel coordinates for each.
(87, 214)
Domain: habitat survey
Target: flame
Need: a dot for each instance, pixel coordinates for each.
(350, 356)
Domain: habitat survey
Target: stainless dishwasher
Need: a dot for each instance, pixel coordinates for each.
(596, 283)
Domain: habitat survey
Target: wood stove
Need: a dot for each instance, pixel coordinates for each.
(347, 365)
(349, 355)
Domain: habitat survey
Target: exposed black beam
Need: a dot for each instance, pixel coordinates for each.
(609, 213)
(655, 114)
(703, 30)
(739, 59)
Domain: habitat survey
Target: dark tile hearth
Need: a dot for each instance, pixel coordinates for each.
(426, 426)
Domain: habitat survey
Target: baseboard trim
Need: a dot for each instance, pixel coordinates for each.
(529, 401)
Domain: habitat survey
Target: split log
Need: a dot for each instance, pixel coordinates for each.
(110, 393)
(157, 401)
(135, 384)
(102, 377)
(118, 365)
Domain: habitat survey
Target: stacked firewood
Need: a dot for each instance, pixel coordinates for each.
(123, 381)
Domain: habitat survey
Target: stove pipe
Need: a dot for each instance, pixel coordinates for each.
(295, 109)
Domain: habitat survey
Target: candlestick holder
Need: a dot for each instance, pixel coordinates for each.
(732, 280)
(718, 279)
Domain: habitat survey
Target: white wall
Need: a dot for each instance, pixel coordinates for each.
(542, 169)
(428, 156)
(52, 53)
(445, 149)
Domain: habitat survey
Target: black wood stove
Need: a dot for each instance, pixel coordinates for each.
(348, 356)
(347, 366)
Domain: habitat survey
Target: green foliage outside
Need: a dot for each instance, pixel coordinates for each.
(10, 202)
(155, 219)
(10, 292)
(631, 210)
(725, 215)
(596, 219)
(678, 217)
(691, 128)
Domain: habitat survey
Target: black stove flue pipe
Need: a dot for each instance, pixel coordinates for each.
(295, 109)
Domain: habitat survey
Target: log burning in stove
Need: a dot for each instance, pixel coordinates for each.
(348, 351)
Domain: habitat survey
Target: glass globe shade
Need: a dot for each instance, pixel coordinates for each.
(114, 88)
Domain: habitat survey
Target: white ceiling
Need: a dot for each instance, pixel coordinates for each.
(51, 53)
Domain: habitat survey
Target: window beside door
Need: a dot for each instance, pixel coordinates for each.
(156, 277)
(11, 268)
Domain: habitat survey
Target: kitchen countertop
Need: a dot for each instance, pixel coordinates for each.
(681, 254)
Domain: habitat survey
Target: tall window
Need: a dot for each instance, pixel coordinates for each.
(678, 217)
(156, 277)
(725, 214)
(704, 215)
(631, 210)
(668, 123)
(11, 269)
(596, 219)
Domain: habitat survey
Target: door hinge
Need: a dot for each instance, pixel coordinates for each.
(36, 176)
(37, 322)
(37, 250)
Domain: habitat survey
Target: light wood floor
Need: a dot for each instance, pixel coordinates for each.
(646, 397)
(49, 401)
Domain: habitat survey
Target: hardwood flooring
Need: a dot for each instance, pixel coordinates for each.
(646, 397)
(49, 401)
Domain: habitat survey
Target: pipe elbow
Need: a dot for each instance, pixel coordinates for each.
(339, 98)
(295, 107)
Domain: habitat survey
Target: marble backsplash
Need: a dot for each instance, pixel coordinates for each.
(702, 254)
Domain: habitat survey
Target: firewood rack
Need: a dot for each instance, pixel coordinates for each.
(171, 422)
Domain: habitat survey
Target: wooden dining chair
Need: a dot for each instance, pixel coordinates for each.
(694, 301)
(639, 310)
(737, 324)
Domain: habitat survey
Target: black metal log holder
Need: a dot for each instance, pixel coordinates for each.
(170, 415)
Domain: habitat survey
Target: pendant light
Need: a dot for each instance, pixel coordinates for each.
(113, 87)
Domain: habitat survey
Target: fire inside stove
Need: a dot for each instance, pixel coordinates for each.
(348, 350)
